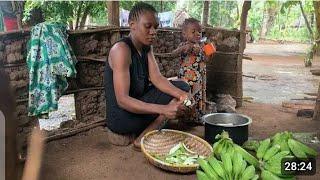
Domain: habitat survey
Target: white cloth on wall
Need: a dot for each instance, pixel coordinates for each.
(124, 16)
(166, 19)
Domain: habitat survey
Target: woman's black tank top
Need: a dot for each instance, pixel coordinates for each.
(139, 78)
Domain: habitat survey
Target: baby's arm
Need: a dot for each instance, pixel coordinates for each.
(178, 50)
(182, 48)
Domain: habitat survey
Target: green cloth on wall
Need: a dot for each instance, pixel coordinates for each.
(50, 61)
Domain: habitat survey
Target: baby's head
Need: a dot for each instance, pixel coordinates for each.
(191, 30)
(143, 21)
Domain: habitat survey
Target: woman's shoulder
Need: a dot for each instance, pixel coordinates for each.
(120, 46)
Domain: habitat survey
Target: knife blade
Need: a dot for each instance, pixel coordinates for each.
(163, 123)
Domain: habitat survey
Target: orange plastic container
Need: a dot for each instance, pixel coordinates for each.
(209, 49)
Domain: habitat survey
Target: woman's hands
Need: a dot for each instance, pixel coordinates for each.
(175, 108)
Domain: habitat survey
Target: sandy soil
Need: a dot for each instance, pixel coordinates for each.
(279, 73)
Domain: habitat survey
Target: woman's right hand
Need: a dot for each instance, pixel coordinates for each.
(170, 110)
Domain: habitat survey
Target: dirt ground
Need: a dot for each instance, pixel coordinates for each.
(278, 68)
(89, 155)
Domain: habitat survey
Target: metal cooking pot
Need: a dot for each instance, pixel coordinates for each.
(235, 124)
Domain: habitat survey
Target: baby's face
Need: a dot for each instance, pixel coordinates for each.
(192, 32)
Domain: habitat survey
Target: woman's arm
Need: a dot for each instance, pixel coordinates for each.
(119, 60)
(161, 82)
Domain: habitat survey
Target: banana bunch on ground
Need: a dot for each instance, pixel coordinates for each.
(281, 139)
(223, 145)
(272, 150)
(287, 143)
(270, 157)
(251, 145)
(226, 145)
(231, 167)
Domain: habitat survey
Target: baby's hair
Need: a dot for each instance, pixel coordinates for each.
(189, 21)
(140, 8)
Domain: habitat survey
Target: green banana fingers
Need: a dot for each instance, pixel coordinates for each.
(303, 147)
(246, 156)
(264, 145)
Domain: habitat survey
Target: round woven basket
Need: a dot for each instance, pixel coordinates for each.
(160, 142)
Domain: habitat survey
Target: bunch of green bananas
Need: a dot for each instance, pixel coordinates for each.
(281, 139)
(223, 145)
(251, 145)
(271, 151)
(231, 167)
(270, 157)
(287, 143)
(226, 145)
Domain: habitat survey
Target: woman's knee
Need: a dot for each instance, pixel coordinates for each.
(181, 85)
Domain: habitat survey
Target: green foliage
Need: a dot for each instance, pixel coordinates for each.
(194, 9)
(255, 18)
(65, 11)
(225, 14)
(166, 5)
(286, 25)
(222, 13)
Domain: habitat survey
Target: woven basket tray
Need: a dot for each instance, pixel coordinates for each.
(160, 142)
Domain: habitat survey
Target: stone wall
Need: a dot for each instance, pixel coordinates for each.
(90, 105)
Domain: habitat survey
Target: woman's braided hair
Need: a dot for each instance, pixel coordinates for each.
(138, 9)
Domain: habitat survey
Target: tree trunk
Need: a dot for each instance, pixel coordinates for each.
(316, 5)
(70, 24)
(316, 114)
(244, 14)
(78, 14)
(306, 20)
(312, 49)
(205, 12)
(268, 19)
(243, 24)
(84, 16)
(113, 13)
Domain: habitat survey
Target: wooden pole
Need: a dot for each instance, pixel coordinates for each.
(244, 14)
(113, 13)
(205, 13)
(316, 114)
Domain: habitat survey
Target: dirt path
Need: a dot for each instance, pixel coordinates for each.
(90, 156)
(279, 73)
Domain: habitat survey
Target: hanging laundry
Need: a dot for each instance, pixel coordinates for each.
(50, 61)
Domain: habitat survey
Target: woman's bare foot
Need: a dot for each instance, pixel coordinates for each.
(136, 144)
